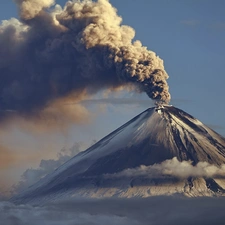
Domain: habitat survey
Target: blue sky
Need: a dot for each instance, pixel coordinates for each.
(188, 35)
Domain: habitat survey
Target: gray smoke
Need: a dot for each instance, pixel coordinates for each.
(52, 55)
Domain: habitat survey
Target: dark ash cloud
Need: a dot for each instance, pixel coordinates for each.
(52, 55)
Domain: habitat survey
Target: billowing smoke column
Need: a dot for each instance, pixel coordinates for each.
(53, 53)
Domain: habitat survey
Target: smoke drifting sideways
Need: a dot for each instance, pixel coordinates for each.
(174, 168)
(54, 54)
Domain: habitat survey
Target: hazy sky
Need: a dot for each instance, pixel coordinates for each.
(188, 35)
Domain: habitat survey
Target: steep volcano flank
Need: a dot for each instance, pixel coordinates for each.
(154, 136)
(193, 140)
(160, 134)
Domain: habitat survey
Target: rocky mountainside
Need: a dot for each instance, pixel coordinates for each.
(112, 166)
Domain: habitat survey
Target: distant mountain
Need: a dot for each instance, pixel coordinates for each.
(108, 168)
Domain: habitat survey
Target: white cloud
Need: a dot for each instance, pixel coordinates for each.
(31, 176)
(174, 168)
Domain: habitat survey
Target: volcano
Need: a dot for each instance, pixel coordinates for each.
(153, 137)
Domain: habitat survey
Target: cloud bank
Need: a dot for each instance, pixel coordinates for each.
(174, 168)
(149, 211)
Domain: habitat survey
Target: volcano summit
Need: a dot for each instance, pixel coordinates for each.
(163, 150)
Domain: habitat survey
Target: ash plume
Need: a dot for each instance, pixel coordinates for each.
(31, 8)
(55, 53)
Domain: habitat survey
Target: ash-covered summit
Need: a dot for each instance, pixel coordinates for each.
(138, 159)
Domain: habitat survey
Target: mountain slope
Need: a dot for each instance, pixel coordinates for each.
(157, 134)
